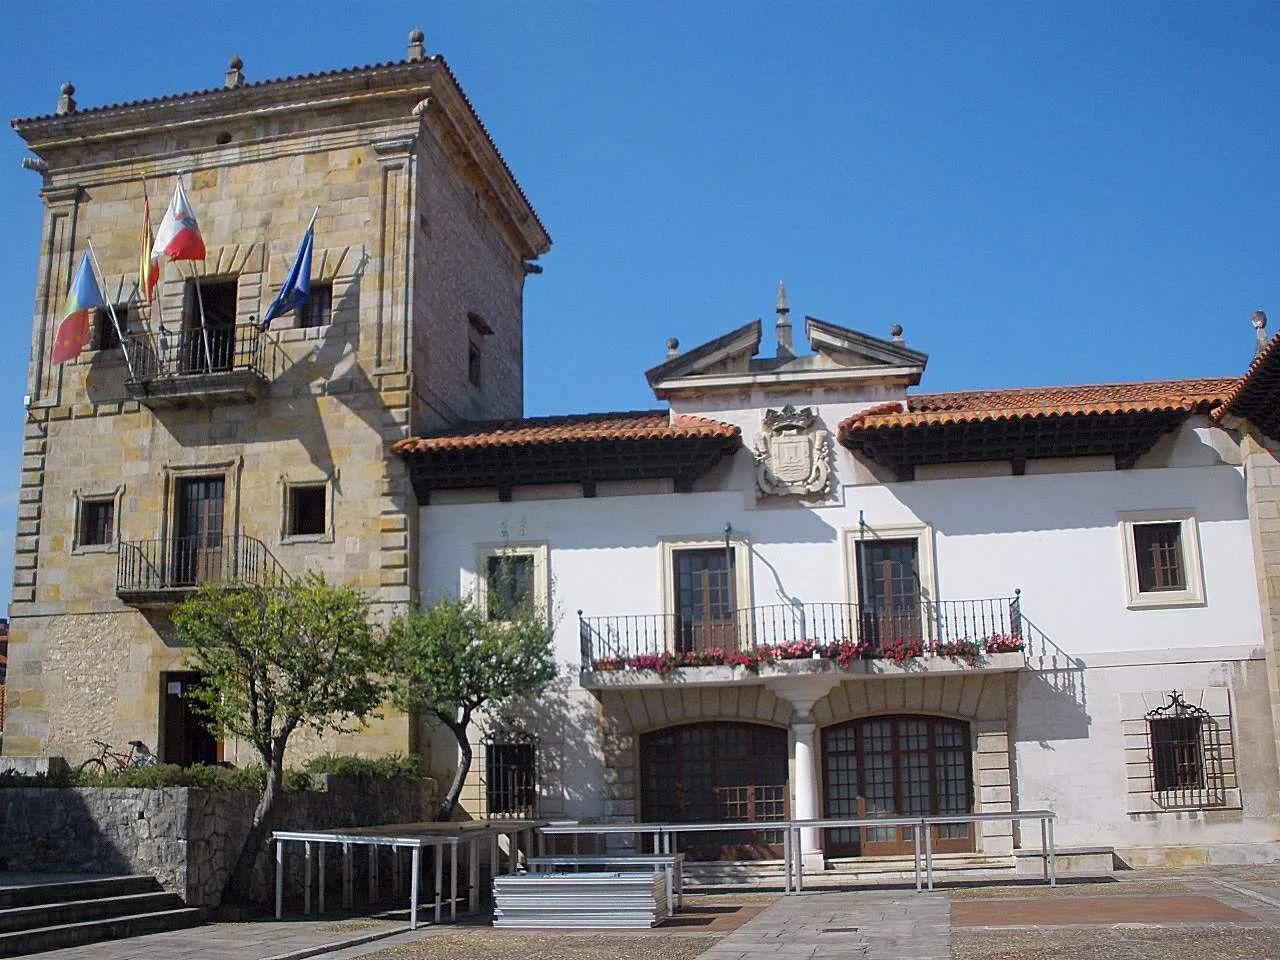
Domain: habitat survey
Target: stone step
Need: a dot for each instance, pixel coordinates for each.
(75, 911)
(17, 942)
(67, 891)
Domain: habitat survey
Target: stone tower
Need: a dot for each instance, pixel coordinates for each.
(199, 449)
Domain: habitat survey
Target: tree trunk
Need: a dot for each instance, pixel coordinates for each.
(450, 799)
(237, 890)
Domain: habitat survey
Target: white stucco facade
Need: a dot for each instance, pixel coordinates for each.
(1062, 726)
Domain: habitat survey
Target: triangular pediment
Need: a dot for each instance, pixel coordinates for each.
(730, 353)
(849, 348)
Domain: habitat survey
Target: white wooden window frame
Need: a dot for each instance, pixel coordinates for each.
(540, 550)
(1193, 594)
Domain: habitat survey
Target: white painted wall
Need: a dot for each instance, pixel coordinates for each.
(1055, 535)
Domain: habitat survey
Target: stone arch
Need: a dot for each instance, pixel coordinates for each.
(982, 699)
(626, 714)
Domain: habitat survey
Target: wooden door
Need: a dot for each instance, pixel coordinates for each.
(197, 545)
(712, 772)
(704, 599)
(888, 592)
(902, 766)
(184, 737)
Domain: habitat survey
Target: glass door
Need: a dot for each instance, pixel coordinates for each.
(197, 542)
(888, 592)
(704, 599)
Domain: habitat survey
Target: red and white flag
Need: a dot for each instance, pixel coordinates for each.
(179, 235)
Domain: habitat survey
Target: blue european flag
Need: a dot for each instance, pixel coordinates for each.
(297, 286)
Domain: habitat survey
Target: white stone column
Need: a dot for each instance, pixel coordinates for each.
(802, 690)
(806, 789)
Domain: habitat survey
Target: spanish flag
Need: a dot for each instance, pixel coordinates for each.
(84, 296)
(148, 271)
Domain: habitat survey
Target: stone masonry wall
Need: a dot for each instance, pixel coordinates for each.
(405, 234)
(187, 839)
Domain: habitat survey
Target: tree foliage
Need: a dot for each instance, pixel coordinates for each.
(451, 661)
(274, 658)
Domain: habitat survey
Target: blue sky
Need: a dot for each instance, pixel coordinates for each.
(1039, 193)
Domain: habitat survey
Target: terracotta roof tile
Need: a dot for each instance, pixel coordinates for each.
(973, 406)
(1255, 380)
(541, 431)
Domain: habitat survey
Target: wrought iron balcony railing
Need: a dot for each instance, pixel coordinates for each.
(960, 628)
(190, 363)
(166, 570)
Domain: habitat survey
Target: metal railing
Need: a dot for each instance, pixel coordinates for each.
(946, 627)
(183, 563)
(794, 842)
(194, 352)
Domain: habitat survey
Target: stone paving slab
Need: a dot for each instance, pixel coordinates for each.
(1094, 910)
(253, 940)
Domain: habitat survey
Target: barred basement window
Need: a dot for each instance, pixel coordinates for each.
(1186, 755)
(510, 776)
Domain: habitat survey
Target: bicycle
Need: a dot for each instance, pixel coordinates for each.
(139, 756)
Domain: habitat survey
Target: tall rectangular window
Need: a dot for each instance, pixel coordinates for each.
(209, 309)
(1176, 754)
(1158, 551)
(511, 784)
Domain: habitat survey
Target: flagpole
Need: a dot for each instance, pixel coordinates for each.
(111, 308)
(204, 331)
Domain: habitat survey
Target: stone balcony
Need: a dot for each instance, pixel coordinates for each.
(197, 366)
(821, 642)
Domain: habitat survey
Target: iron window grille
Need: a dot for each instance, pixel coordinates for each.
(511, 777)
(1185, 745)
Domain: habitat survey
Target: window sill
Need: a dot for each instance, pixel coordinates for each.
(1169, 599)
(292, 538)
(1147, 803)
(94, 548)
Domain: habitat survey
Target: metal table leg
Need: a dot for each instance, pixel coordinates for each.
(413, 893)
(279, 879)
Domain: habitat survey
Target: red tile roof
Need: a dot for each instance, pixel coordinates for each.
(1254, 397)
(545, 431)
(975, 406)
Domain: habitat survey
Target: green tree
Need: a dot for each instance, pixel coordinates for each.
(276, 658)
(451, 661)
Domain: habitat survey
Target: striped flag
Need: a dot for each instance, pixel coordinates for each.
(148, 270)
(84, 296)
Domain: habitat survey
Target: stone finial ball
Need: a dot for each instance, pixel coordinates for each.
(673, 344)
(416, 35)
(895, 330)
(235, 63)
(68, 88)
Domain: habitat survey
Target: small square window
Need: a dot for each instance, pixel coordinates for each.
(105, 335)
(1162, 558)
(318, 310)
(307, 513)
(511, 585)
(97, 522)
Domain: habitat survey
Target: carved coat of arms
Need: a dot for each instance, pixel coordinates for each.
(792, 457)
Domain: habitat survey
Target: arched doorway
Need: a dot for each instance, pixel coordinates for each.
(898, 766)
(706, 772)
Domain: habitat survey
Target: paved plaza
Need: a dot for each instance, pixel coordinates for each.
(1224, 913)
